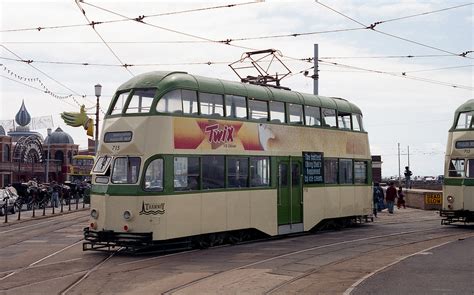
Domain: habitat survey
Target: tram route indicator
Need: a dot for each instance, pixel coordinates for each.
(313, 167)
(465, 144)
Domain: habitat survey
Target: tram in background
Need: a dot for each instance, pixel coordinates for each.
(80, 169)
(458, 188)
(202, 160)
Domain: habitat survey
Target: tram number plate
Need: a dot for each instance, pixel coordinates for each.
(433, 198)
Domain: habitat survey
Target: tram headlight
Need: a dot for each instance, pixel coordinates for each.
(450, 199)
(94, 213)
(127, 215)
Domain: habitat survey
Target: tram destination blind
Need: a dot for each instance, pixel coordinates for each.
(313, 168)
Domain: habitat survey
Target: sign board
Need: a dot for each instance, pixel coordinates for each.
(313, 167)
(433, 198)
(465, 144)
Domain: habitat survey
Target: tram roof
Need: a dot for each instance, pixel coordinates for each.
(166, 81)
(466, 107)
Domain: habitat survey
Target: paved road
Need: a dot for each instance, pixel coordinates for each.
(45, 257)
(448, 269)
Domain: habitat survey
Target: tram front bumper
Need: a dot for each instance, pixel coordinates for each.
(108, 240)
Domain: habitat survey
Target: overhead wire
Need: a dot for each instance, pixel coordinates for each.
(103, 40)
(372, 27)
(40, 28)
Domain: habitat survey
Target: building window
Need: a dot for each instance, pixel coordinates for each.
(186, 173)
(259, 171)
(154, 176)
(330, 171)
(237, 171)
(6, 153)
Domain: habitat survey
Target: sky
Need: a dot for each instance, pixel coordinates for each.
(405, 100)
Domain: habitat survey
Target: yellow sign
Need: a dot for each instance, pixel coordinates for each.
(433, 198)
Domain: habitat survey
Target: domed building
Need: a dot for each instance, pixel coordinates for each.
(61, 149)
(24, 154)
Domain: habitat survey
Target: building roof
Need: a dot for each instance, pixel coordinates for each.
(2, 131)
(59, 137)
(23, 118)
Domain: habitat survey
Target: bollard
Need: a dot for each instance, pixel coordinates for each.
(52, 206)
(44, 209)
(62, 205)
(33, 205)
(5, 209)
(19, 210)
(83, 203)
(70, 204)
(77, 203)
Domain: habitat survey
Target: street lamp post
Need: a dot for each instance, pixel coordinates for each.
(98, 90)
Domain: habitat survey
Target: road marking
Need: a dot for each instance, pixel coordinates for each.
(27, 226)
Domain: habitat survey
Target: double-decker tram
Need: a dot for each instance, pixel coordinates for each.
(458, 188)
(80, 168)
(190, 159)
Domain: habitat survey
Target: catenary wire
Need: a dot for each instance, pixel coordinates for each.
(372, 27)
(40, 28)
(103, 40)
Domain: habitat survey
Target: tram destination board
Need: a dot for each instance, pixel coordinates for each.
(313, 167)
(465, 144)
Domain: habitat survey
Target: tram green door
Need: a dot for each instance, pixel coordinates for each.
(290, 194)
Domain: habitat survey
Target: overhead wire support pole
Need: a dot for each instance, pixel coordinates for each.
(316, 74)
(399, 172)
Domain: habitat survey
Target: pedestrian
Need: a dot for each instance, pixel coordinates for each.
(54, 190)
(401, 198)
(378, 197)
(390, 196)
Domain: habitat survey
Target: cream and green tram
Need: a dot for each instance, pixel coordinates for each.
(458, 188)
(184, 158)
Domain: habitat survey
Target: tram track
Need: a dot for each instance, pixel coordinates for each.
(213, 275)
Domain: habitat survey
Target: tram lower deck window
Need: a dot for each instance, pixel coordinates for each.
(126, 170)
(456, 168)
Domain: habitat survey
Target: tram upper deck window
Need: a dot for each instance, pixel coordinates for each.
(295, 113)
(141, 101)
(154, 176)
(125, 170)
(329, 117)
(312, 116)
(344, 120)
(258, 110)
(170, 102)
(235, 106)
(211, 104)
(119, 103)
(277, 111)
(456, 168)
(357, 122)
(465, 120)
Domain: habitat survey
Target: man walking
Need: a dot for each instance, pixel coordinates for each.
(390, 196)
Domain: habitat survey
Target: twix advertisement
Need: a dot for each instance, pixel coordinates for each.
(209, 134)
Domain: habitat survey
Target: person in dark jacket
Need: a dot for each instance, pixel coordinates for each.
(390, 196)
(401, 199)
(378, 197)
